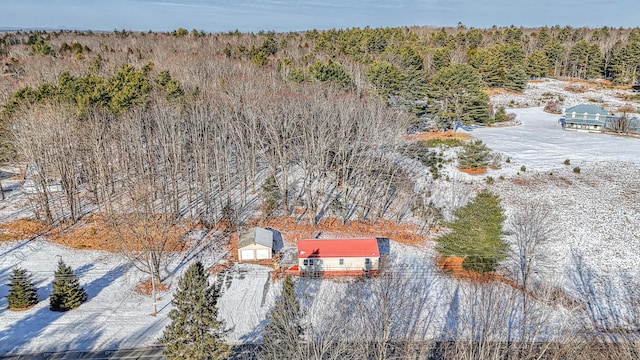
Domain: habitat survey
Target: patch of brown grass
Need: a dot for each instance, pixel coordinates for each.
(592, 83)
(294, 230)
(472, 171)
(94, 236)
(453, 265)
(499, 90)
(22, 229)
(95, 232)
(21, 309)
(145, 287)
(220, 267)
(439, 135)
(576, 88)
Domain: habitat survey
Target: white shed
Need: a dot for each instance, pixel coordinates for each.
(255, 244)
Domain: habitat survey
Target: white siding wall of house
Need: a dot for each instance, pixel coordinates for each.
(338, 264)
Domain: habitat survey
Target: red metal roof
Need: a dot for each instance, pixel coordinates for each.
(338, 248)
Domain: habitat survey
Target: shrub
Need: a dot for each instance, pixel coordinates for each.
(576, 170)
(567, 162)
(22, 291)
(508, 160)
(474, 155)
(553, 107)
(447, 142)
(422, 152)
(489, 180)
(501, 115)
(523, 168)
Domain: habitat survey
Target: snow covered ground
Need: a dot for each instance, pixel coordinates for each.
(598, 209)
(539, 143)
(114, 316)
(598, 212)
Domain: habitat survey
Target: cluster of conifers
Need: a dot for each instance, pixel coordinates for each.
(66, 294)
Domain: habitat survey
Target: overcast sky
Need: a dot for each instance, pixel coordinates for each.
(293, 15)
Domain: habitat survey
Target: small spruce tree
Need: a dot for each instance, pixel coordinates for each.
(270, 196)
(282, 336)
(67, 293)
(474, 155)
(195, 331)
(476, 234)
(22, 291)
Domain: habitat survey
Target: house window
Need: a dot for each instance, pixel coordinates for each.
(305, 262)
(310, 262)
(597, 117)
(367, 262)
(573, 115)
(341, 261)
(584, 116)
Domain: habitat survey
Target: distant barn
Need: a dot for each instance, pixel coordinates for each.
(255, 244)
(352, 256)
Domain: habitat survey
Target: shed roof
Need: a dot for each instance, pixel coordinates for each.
(338, 248)
(256, 235)
(586, 108)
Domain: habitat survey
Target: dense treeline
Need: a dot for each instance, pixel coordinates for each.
(189, 123)
(206, 156)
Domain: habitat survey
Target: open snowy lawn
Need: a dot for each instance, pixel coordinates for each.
(247, 295)
(114, 316)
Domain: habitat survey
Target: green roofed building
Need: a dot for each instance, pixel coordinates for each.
(586, 117)
(593, 118)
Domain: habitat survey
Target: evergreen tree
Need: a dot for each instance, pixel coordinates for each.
(331, 71)
(457, 93)
(555, 52)
(270, 196)
(282, 336)
(22, 291)
(440, 58)
(67, 293)
(474, 155)
(385, 77)
(516, 78)
(490, 66)
(476, 234)
(537, 64)
(625, 65)
(585, 60)
(195, 331)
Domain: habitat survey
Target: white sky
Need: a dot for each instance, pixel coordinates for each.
(293, 15)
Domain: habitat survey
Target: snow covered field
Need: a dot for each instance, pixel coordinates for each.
(115, 315)
(597, 210)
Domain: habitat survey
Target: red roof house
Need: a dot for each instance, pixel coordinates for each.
(355, 256)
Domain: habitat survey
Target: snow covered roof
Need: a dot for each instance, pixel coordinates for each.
(338, 248)
(258, 236)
